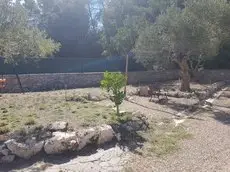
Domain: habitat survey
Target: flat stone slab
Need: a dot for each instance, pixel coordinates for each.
(113, 159)
(109, 160)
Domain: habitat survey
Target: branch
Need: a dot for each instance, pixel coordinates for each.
(198, 63)
(191, 65)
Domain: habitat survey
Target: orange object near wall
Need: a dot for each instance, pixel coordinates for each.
(2, 83)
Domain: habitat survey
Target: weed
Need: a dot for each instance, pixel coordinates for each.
(4, 130)
(11, 106)
(3, 124)
(5, 111)
(30, 121)
(98, 114)
(42, 107)
(86, 107)
(104, 116)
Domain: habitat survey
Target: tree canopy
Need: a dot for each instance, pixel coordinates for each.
(198, 30)
(19, 40)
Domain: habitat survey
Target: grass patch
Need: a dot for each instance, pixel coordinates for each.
(164, 139)
(48, 107)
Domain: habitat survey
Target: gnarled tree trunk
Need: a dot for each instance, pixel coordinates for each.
(185, 75)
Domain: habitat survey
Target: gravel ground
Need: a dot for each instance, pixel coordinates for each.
(207, 151)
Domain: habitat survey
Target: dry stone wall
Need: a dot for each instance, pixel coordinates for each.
(42, 82)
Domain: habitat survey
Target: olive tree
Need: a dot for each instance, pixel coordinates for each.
(182, 34)
(19, 39)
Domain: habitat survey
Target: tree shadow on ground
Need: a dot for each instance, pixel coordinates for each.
(222, 116)
(226, 95)
(154, 109)
(222, 106)
(128, 135)
(182, 107)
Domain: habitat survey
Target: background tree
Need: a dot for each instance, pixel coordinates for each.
(18, 40)
(73, 23)
(122, 20)
(198, 30)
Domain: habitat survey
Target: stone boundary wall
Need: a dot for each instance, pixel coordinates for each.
(42, 82)
(211, 76)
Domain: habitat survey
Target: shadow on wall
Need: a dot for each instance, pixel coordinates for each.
(72, 65)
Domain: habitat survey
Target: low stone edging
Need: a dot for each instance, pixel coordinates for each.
(144, 92)
(57, 140)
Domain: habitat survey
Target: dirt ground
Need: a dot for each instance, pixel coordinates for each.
(208, 150)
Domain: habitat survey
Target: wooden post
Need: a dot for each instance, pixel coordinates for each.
(126, 72)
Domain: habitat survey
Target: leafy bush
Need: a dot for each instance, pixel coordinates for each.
(113, 84)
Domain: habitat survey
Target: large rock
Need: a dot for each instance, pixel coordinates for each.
(58, 126)
(144, 91)
(87, 136)
(4, 151)
(25, 151)
(7, 159)
(106, 134)
(61, 142)
(97, 135)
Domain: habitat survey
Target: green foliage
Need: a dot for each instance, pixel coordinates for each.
(185, 35)
(113, 83)
(18, 39)
(122, 21)
(196, 30)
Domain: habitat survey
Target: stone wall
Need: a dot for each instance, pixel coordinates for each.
(211, 76)
(41, 82)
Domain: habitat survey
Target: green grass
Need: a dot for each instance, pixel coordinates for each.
(20, 110)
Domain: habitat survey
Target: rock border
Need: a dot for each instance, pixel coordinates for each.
(143, 91)
(60, 141)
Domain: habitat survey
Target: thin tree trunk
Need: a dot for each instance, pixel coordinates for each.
(118, 111)
(19, 81)
(185, 75)
(91, 17)
(126, 73)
